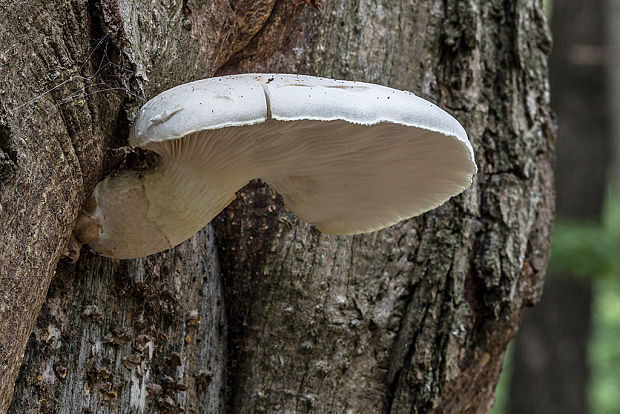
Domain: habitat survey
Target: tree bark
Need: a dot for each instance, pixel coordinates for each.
(260, 312)
(550, 369)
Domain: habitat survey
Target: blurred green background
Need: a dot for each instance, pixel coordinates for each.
(592, 250)
(566, 357)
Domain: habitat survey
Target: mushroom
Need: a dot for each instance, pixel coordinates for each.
(349, 157)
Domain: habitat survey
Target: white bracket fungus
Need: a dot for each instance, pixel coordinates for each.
(349, 157)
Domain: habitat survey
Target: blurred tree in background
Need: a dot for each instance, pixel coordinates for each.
(551, 364)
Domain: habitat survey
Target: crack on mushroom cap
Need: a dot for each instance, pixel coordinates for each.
(344, 165)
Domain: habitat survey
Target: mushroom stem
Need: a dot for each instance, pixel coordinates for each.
(72, 249)
(85, 231)
(155, 210)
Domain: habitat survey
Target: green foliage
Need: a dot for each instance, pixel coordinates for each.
(604, 349)
(582, 249)
(604, 352)
(547, 6)
(590, 250)
(587, 249)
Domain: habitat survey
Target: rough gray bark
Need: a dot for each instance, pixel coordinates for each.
(157, 341)
(414, 318)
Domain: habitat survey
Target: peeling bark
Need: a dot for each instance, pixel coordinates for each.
(413, 318)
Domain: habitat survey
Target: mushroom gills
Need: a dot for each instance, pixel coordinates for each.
(349, 157)
(322, 178)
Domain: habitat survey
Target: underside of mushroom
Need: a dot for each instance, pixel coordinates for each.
(336, 151)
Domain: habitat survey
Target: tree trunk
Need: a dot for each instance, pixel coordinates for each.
(550, 373)
(550, 353)
(260, 312)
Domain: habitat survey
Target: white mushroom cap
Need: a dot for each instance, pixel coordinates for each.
(349, 157)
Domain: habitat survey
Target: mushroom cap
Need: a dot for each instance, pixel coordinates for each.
(350, 157)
